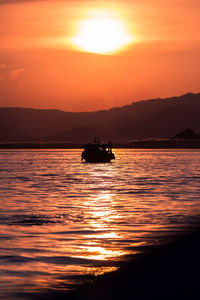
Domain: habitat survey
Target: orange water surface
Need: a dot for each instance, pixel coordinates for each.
(63, 221)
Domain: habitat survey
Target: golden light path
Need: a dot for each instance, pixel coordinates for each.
(103, 35)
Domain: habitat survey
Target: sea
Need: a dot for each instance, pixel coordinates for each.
(63, 222)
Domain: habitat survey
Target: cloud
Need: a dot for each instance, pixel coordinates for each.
(2, 67)
(16, 76)
(15, 73)
(12, 1)
(17, 1)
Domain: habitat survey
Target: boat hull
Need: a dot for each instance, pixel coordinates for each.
(98, 158)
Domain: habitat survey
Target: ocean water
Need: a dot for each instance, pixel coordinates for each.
(63, 221)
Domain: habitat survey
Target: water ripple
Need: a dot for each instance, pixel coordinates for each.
(62, 221)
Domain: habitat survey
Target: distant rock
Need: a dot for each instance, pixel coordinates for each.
(188, 133)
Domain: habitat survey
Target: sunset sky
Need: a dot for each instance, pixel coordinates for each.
(89, 55)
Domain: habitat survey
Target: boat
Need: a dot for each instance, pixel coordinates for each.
(97, 152)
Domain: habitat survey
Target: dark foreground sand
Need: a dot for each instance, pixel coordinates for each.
(170, 271)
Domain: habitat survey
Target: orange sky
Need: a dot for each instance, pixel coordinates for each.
(41, 68)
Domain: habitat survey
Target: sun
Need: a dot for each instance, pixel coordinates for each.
(101, 35)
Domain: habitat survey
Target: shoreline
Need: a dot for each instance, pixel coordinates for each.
(168, 271)
(135, 144)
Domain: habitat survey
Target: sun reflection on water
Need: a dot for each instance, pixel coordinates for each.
(99, 217)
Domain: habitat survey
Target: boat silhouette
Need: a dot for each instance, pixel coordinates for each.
(97, 152)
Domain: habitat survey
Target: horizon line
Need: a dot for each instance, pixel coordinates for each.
(100, 110)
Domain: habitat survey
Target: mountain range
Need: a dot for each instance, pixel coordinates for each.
(155, 118)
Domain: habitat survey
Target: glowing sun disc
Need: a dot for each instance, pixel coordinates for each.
(101, 35)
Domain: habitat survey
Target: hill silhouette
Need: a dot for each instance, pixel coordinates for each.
(156, 118)
(188, 133)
